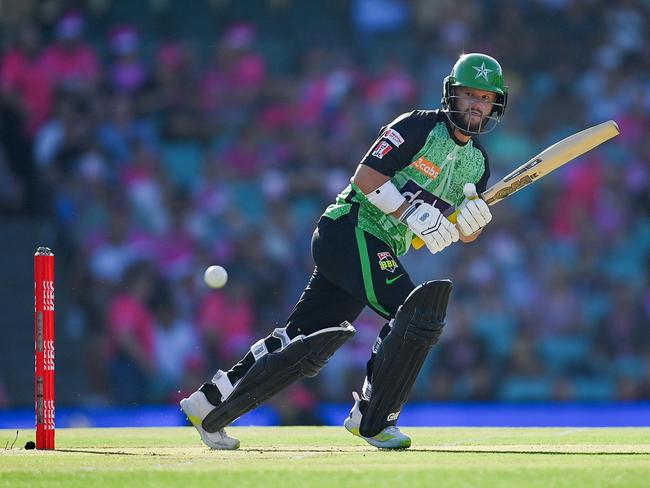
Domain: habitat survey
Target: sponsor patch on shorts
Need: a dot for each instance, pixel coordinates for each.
(382, 149)
(426, 167)
(387, 262)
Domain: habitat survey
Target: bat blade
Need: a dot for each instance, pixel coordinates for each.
(544, 163)
(550, 159)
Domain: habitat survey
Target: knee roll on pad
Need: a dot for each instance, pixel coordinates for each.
(415, 329)
(303, 356)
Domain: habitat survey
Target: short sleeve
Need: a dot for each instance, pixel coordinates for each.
(399, 141)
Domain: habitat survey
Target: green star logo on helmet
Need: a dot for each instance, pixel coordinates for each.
(482, 71)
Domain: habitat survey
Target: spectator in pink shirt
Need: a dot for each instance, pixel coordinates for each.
(128, 72)
(243, 158)
(393, 84)
(247, 69)
(175, 246)
(225, 321)
(71, 61)
(131, 337)
(25, 80)
(579, 196)
(237, 73)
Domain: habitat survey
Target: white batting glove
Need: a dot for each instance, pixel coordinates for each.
(431, 226)
(474, 213)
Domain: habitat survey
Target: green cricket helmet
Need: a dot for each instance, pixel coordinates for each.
(481, 72)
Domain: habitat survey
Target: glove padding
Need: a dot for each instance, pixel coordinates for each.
(473, 213)
(431, 226)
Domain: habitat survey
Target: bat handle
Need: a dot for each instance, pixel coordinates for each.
(452, 218)
(417, 243)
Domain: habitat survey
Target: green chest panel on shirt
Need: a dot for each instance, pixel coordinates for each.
(435, 175)
(441, 168)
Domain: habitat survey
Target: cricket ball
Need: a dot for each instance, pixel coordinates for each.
(215, 276)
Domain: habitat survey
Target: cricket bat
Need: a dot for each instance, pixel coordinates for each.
(545, 162)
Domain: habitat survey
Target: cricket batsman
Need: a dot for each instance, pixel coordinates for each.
(423, 166)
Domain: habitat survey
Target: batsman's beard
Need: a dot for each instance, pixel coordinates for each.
(473, 120)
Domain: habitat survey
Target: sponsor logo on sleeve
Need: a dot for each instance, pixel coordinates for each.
(426, 167)
(393, 136)
(382, 149)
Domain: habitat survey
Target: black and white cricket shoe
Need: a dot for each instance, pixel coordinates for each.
(389, 438)
(197, 407)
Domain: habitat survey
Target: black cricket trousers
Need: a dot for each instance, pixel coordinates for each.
(353, 269)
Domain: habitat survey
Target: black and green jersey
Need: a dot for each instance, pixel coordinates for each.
(426, 164)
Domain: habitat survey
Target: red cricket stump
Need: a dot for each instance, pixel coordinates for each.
(44, 346)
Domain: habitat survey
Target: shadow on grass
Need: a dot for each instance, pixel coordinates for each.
(556, 453)
(454, 451)
(110, 453)
(348, 450)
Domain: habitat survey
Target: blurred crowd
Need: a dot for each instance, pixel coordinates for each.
(156, 154)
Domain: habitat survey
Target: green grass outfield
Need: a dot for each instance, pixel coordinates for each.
(329, 457)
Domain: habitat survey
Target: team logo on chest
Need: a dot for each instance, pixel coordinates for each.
(387, 262)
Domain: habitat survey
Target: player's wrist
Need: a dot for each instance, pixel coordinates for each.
(470, 238)
(403, 218)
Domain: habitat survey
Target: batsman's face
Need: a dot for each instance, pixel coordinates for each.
(474, 105)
